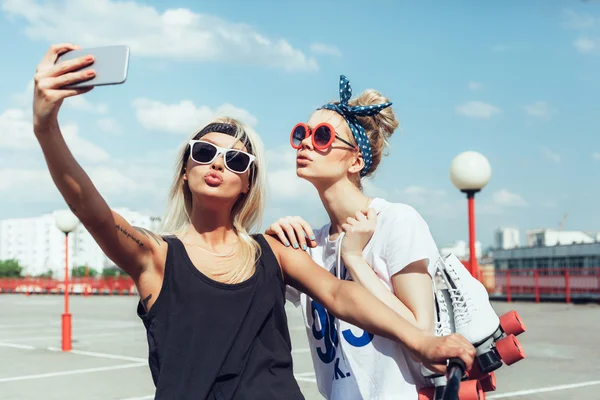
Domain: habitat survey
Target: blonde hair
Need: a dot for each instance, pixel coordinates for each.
(379, 128)
(246, 213)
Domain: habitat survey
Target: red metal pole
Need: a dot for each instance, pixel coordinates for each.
(473, 266)
(537, 285)
(66, 317)
(508, 288)
(86, 281)
(567, 287)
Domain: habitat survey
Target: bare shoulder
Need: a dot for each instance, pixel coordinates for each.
(276, 246)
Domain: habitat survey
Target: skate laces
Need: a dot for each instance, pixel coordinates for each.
(442, 326)
(461, 301)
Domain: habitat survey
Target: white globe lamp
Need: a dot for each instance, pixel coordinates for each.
(470, 171)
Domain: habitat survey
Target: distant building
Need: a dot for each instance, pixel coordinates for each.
(460, 249)
(39, 245)
(562, 256)
(507, 238)
(555, 237)
(551, 248)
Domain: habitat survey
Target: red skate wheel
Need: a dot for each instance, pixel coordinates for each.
(511, 323)
(427, 393)
(470, 390)
(488, 383)
(510, 350)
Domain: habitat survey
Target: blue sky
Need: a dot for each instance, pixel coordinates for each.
(517, 82)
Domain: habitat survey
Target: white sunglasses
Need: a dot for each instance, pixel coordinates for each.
(236, 161)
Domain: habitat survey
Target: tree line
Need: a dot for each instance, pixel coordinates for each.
(12, 269)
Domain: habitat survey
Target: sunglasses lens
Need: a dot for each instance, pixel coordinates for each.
(298, 135)
(203, 152)
(322, 136)
(236, 160)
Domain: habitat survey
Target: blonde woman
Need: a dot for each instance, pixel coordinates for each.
(341, 143)
(212, 294)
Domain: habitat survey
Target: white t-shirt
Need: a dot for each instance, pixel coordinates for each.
(350, 363)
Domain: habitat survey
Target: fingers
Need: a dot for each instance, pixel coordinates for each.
(308, 231)
(53, 52)
(74, 92)
(459, 347)
(300, 235)
(276, 230)
(360, 216)
(64, 80)
(69, 65)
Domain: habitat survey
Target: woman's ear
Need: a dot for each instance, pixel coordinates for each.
(357, 165)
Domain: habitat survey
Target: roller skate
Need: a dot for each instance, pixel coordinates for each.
(444, 325)
(494, 338)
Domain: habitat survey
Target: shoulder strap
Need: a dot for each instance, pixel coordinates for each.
(267, 256)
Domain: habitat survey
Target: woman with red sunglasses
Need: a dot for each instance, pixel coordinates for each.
(212, 295)
(341, 143)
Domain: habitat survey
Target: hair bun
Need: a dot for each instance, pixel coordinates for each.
(380, 127)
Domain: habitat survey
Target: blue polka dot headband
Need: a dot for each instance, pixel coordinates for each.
(350, 114)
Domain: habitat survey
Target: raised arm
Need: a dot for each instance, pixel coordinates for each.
(352, 303)
(133, 249)
(411, 294)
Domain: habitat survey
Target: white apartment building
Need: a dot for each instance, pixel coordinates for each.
(557, 237)
(507, 238)
(460, 249)
(39, 245)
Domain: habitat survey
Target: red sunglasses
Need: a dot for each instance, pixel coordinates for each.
(323, 136)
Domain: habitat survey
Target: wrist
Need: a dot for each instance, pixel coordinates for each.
(44, 129)
(352, 260)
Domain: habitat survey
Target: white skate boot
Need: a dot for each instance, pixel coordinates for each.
(444, 326)
(475, 319)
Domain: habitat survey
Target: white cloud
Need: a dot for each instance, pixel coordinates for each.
(475, 85)
(177, 33)
(554, 157)
(284, 184)
(575, 20)
(596, 156)
(109, 125)
(539, 109)
(15, 182)
(184, 117)
(478, 110)
(585, 45)
(505, 198)
(321, 48)
(79, 103)
(17, 134)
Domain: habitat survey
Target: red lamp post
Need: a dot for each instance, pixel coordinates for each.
(66, 221)
(470, 172)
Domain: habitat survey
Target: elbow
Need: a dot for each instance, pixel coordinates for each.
(336, 300)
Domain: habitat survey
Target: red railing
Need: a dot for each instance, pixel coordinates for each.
(79, 285)
(567, 285)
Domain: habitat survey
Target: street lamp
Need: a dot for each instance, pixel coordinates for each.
(470, 172)
(66, 221)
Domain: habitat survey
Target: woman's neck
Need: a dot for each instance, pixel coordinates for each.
(342, 200)
(210, 227)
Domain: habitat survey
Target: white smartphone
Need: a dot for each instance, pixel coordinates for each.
(110, 63)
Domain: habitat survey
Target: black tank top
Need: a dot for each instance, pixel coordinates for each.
(210, 340)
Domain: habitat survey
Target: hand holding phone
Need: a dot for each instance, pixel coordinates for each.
(110, 65)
